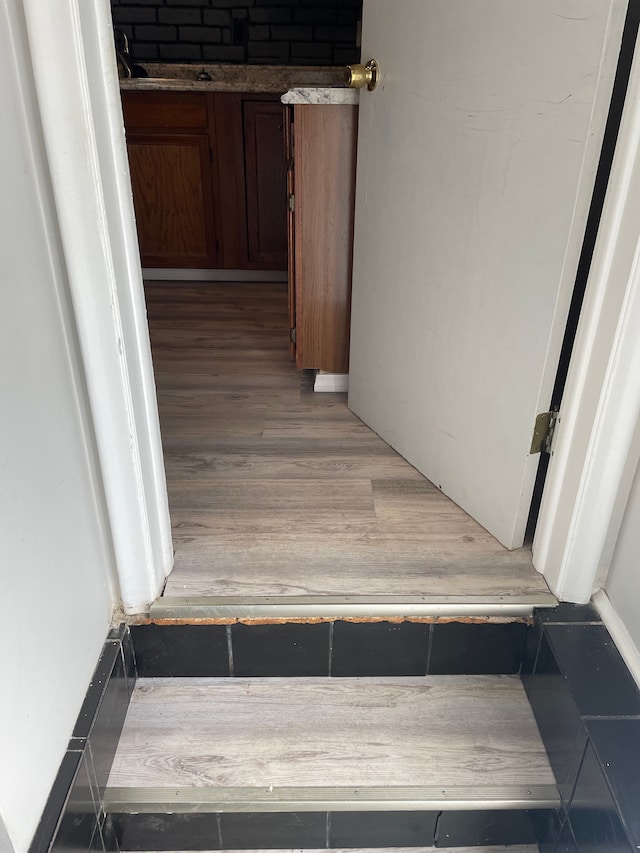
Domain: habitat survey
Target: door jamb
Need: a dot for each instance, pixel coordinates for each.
(77, 88)
(597, 445)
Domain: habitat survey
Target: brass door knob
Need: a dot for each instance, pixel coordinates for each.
(359, 76)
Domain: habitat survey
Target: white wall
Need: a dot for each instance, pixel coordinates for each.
(56, 573)
(623, 582)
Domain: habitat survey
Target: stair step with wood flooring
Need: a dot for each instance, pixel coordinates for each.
(328, 762)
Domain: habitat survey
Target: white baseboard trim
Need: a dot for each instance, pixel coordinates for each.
(621, 637)
(261, 276)
(331, 382)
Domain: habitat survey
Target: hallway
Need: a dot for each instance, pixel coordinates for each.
(277, 490)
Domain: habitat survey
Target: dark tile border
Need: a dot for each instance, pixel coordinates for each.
(169, 651)
(566, 613)
(80, 819)
(587, 707)
(493, 648)
(73, 818)
(279, 830)
(280, 650)
(380, 649)
(616, 745)
(339, 648)
(592, 815)
(156, 831)
(325, 830)
(598, 678)
(489, 828)
(382, 829)
(56, 802)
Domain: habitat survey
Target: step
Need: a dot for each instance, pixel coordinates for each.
(320, 761)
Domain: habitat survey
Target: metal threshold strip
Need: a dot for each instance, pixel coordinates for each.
(347, 606)
(334, 799)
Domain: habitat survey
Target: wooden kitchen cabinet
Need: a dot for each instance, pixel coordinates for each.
(323, 141)
(265, 176)
(208, 179)
(169, 145)
(251, 180)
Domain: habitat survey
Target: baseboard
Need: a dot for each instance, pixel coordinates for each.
(587, 707)
(176, 275)
(73, 818)
(337, 383)
(621, 637)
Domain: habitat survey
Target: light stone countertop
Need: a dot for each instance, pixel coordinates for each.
(260, 79)
(321, 95)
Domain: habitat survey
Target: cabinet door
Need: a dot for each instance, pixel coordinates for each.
(171, 181)
(265, 165)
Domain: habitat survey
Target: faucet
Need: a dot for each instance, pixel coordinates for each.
(123, 55)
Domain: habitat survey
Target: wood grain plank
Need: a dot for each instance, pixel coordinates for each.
(255, 506)
(277, 459)
(227, 419)
(307, 421)
(308, 561)
(195, 364)
(220, 382)
(417, 506)
(275, 496)
(434, 730)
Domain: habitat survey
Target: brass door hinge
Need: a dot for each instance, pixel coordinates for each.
(543, 431)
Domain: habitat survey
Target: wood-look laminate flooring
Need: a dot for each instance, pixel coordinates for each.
(445, 730)
(276, 490)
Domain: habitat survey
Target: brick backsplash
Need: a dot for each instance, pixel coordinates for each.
(283, 32)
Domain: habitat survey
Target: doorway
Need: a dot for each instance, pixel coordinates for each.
(511, 540)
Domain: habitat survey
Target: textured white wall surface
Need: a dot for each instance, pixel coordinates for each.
(56, 569)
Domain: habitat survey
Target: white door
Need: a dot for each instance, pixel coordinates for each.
(476, 162)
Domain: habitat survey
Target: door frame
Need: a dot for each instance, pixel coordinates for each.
(597, 446)
(76, 81)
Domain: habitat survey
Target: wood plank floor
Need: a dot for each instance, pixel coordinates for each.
(432, 730)
(275, 490)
